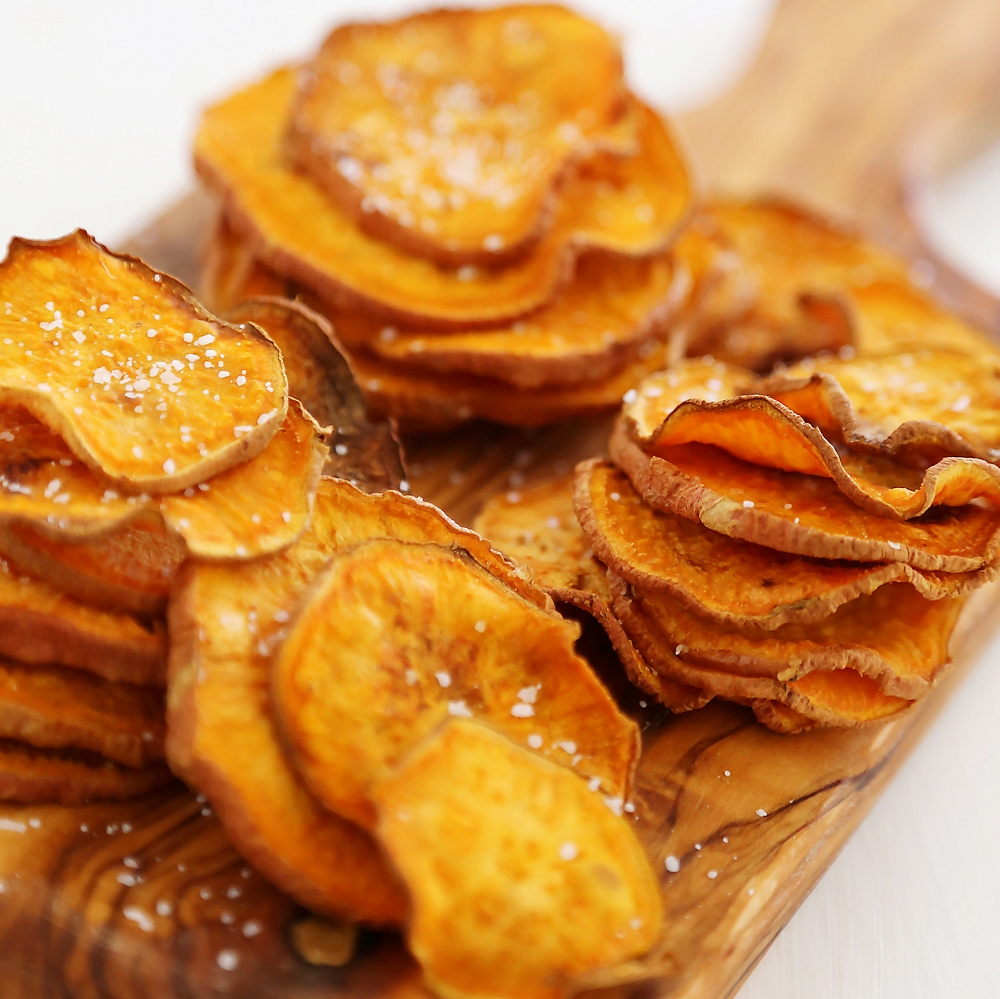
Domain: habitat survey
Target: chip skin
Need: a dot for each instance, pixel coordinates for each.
(39, 624)
(252, 509)
(51, 707)
(291, 226)
(733, 582)
(362, 450)
(134, 352)
(458, 155)
(547, 886)
(71, 777)
(225, 622)
(802, 514)
(418, 633)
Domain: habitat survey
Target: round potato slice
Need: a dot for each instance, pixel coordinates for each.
(522, 881)
(142, 383)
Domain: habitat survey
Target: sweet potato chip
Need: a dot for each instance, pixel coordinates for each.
(128, 572)
(522, 880)
(802, 514)
(732, 582)
(38, 624)
(55, 708)
(225, 623)
(292, 227)
(71, 777)
(254, 508)
(141, 382)
(362, 450)
(457, 155)
(417, 633)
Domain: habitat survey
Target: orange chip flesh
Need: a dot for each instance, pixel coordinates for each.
(546, 886)
(55, 708)
(418, 633)
(295, 230)
(802, 514)
(362, 450)
(115, 359)
(71, 777)
(127, 572)
(224, 624)
(730, 581)
(455, 157)
(65, 500)
(39, 624)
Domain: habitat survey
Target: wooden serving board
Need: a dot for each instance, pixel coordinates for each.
(848, 105)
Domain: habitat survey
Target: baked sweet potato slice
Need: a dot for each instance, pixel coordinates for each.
(362, 450)
(254, 508)
(454, 151)
(522, 880)
(70, 776)
(732, 582)
(293, 228)
(51, 707)
(38, 624)
(802, 514)
(230, 274)
(142, 383)
(418, 633)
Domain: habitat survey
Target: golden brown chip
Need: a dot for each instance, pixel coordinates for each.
(522, 880)
(38, 624)
(127, 572)
(141, 382)
(71, 777)
(55, 708)
(254, 508)
(455, 154)
(802, 514)
(394, 638)
(732, 582)
(225, 623)
(362, 450)
(294, 229)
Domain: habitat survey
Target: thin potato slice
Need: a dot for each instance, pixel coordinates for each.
(55, 708)
(802, 514)
(292, 227)
(71, 777)
(732, 582)
(522, 880)
(418, 633)
(457, 155)
(38, 624)
(254, 508)
(122, 362)
(225, 623)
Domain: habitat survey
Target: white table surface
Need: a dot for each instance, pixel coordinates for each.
(98, 102)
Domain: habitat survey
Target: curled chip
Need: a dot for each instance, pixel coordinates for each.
(456, 154)
(141, 382)
(362, 450)
(225, 623)
(418, 633)
(55, 708)
(730, 581)
(292, 227)
(802, 514)
(841, 696)
(67, 501)
(522, 880)
(538, 529)
(71, 776)
(127, 572)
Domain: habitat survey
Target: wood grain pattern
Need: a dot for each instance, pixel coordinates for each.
(845, 106)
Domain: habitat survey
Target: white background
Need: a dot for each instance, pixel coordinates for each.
(98, 102)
